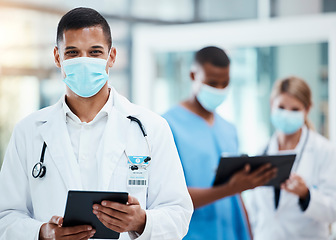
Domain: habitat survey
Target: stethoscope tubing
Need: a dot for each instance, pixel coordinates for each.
(39, 169)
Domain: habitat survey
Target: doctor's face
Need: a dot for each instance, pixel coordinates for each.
(84, 42)
(213, 76)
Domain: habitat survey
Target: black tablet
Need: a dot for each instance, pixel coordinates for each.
(230, 165)
(79, 209)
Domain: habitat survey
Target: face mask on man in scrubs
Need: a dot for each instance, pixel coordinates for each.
(211, 85)
(210, 98)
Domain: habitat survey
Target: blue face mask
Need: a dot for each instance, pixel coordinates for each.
(210, 98)
(287, 121)
(85, 76)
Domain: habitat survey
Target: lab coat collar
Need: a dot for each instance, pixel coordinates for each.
(119, 102)
(105, 111)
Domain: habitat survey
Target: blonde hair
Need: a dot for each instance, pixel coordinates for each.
(296, 87)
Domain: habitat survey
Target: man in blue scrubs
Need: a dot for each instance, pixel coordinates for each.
(201, 136)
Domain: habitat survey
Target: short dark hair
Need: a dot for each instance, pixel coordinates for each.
(213, 55)
(81, 18)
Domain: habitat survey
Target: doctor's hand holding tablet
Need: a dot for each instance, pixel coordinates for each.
(246, 179)
(54, 230)
(118, 217)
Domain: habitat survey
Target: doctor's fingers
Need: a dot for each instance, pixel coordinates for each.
(113, 223)
(264, 177)
(291, 185)
(114, 205)
(74, 231)
(297, 178)
(132, 200)
(132, 210)
(56, 220)
(52, 231)
(261, 170)
(78, 236)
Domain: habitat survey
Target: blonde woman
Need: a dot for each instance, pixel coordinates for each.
(305, 205)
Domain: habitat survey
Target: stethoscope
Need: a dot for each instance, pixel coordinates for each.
(146, 162)
(39, 169)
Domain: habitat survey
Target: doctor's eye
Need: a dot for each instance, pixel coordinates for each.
(96, 53)
(71, 53)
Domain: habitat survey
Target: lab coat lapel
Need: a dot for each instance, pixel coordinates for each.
(112, 148)
(55, 133)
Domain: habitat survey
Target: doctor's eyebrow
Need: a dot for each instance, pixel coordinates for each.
(97, 46)
(70, 47)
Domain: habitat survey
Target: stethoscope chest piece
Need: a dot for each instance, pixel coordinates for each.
(39, 170)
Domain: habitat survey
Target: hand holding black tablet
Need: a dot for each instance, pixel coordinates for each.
(78, 210)
(228, 166)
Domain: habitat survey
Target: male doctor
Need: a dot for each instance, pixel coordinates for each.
(89, 143)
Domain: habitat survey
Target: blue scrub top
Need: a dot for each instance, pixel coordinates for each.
(200, 147)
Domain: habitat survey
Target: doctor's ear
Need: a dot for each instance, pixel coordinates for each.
(112, 57)
(57, 57)
(192, 75)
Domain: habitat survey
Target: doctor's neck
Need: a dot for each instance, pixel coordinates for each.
(86, 109)
(194, 106)
(288, 142)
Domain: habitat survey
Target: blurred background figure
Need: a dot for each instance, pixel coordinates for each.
(202, 137)
(305, 205)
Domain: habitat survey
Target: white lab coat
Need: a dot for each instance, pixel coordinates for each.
(26, 202)
(318, 169)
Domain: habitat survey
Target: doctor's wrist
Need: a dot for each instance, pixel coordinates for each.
(303, 195)
(141, 227)
(229, 189)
